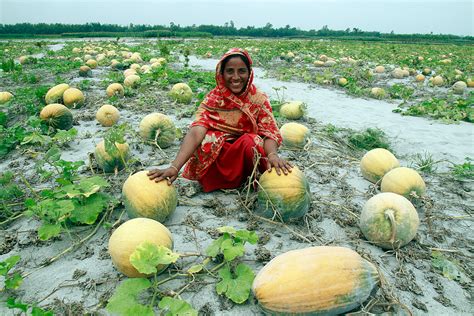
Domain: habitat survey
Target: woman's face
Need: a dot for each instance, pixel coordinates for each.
(236, 75)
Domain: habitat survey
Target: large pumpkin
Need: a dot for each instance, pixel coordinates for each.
(131, 81)
(125, 239)
(283, 197)
(115, 89)
(315, 281)
(293, 110)
(158, 128)
(389, 220)
(73, 98)
(181, 93)
(376, 163)
(55, 94)
(404, 181)
(111, 162)
(146, 198)
(57, 116)
(107, 115)
(294, 135)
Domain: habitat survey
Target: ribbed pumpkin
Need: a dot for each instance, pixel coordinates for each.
(146, 198)
(293, 110)
(55, 94)
(73, 98)
(85, 71)
(288, 194)
(57, 116)
(5, 97)
(115, 89)
(404, 181)
(315, 281)
(376, 163)
(294, 135)
(107, 115)
(128, 236)
(111, 162)
(181, 93)
(91, 63)
(131, 81)
(158, 128)
(389, 220)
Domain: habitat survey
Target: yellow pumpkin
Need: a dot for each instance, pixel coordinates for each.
(115, 89)
(129, 72)
(181, 93)
(389, 220)
(283, 197)
(146, 198)
(5, 97)
(158, 128)
(379, 69)
(315, 281)
(376, 163)
(73, 98)
(57, 116)
(342, 82)
(294, 135)
(107, 115)
(293, 110)
(131, 81)
(85, 71)
(404, 181)
(55, 94)
(378, 93)
(419, 78)
(91, 63)
(437, 81)
(128, 236)
(111, 162)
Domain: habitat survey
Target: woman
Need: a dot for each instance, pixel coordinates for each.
(233, 125)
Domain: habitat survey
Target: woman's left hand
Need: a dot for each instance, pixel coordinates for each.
(279, 164)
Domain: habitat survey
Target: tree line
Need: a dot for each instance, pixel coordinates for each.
(228, 29)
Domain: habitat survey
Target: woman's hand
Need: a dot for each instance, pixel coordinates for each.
(170, 174)
(278, 163)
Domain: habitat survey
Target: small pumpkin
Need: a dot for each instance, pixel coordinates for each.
(294, 135)
(283, 197)
(85, 71)
(129, 72)
(128, 236)
(131, 81)
(378, 93)
(389, 220)
(115, 89)
(107, 115)
(293, 110)
(420, 78)
(159, 129)
(459, 87)
(111, 161)
(437, 81)
(146, 198)
(73, 98)
(342, 82)
(181, 93)
(376, 163)
(92, 63)
(5, 97)
(55, 94)
(57, 115)
(320, 280)
(404, 181)
(379, 69)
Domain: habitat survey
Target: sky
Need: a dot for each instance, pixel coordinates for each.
(400, 16)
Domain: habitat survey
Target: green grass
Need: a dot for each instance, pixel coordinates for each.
(369, 139)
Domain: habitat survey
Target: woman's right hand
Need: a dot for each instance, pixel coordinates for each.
(170, 174)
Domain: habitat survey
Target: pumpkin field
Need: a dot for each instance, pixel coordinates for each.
(372, 220)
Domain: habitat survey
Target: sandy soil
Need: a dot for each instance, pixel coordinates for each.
(82, 280)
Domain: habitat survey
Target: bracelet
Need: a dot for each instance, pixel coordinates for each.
(272, 153)
(171, 166)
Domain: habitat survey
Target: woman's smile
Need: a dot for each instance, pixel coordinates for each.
(236, 75)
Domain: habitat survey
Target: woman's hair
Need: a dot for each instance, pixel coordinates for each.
(244, 59)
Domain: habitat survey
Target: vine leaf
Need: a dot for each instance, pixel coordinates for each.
(176, 307)
(13, 282)
(195, 269)
(147, 256)
(237, 288)
(48, 230)
(8, 263)
(125, 300)
(232, 250)
(88, 210)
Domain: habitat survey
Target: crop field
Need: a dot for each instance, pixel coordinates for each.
(79, 117)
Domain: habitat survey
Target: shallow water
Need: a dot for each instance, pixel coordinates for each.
(408, 135)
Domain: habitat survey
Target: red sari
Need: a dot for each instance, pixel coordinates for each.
(236, 128)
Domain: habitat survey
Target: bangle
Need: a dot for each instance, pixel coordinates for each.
(171, 166)
(272, 153)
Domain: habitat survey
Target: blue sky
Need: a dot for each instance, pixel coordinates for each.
(401, 16)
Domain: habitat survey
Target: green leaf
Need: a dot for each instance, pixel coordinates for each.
(195, 269)
(447, 268)
(245, 235)
(13, 282)
(36, 311)
(125, 299)
(90, 208)
(147, 256)
(176, 307)
(232, 250)
(12, 304)
(8, 263)
(53, 154)
(236, 288)
(227, 229)
(47, 231)
(215, 247)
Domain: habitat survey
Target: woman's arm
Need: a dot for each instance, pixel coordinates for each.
(191, 141)
(271, 150)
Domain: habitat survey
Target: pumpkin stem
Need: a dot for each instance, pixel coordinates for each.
(391, 217)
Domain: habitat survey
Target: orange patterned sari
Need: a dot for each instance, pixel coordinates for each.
(227, 117)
